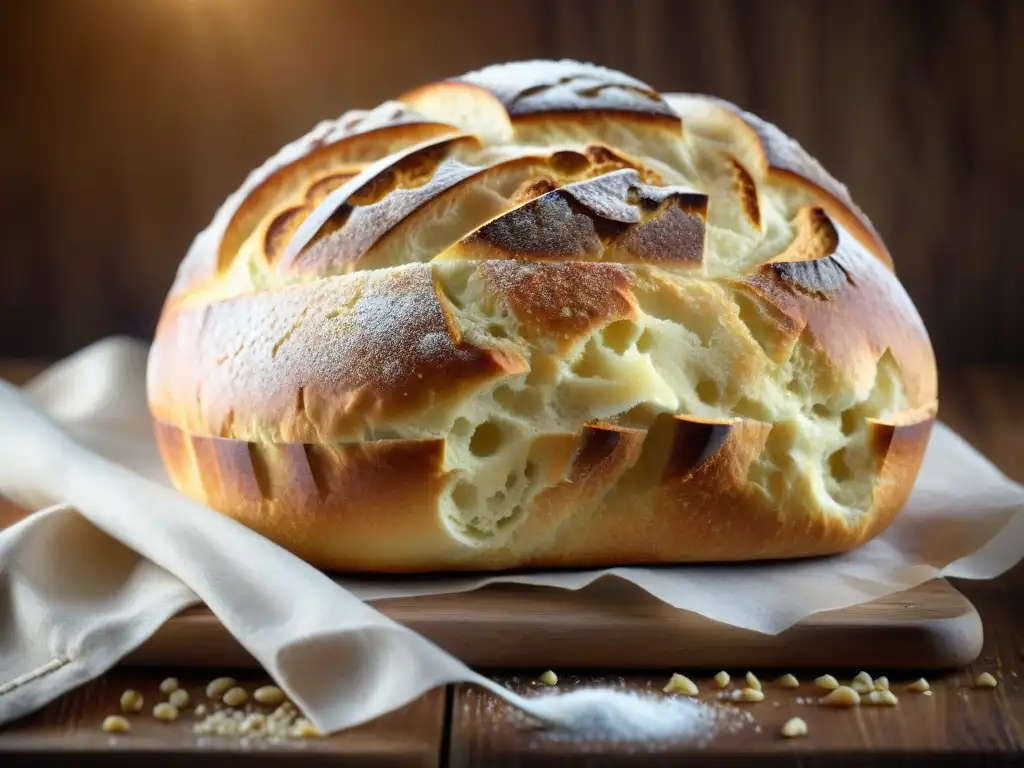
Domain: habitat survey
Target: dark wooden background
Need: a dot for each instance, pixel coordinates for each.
(125, 122)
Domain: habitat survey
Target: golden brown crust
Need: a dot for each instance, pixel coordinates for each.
(316, 361)
(857, 311)
(539, 316)
(746, 192)
(329, 147)
(558, 304)
(700, 512)
(784, 161)
(815, 238)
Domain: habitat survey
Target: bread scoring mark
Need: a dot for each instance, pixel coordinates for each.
(306, 475)
(596, 90)
(888, 435)
(281, 229)
(447, 309)
(329, 145)
(260, 472)
(321, 188)
(368, 224)
(815, 236)
(317, 466)
(339, 199)
(568, 162)
(598, 449)
(596, 160)
(786, 157)
(401, 317)
(386, 200)
(612, 217)
(288, 333)
(746, 191)
(694, 442)
(537, 88)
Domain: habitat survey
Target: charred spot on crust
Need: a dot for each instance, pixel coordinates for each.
(615, 211)
(819, 278)
(676, 235)
(694, 442)
(546, 226)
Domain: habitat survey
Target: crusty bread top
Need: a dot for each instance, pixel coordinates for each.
(544, 246)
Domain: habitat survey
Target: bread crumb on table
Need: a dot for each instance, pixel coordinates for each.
(886, 698)
(235, 697)
(681, 684)
(165, 711)
(217, 687)
(985, 680)
(794, 727)
(827, 682)
(116, 724)
(843, 696)
(268, 694)
(303, 729)
(863, 683)
(549, 678)
(131, 701)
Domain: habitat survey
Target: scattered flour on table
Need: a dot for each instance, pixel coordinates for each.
(609, 715)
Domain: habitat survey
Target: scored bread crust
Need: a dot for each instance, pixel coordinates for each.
(541, 315)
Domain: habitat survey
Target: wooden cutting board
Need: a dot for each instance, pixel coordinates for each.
(614, 625)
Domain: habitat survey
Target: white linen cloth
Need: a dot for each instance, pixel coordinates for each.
(114, 552)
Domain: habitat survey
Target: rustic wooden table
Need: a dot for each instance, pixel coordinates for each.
(462, 726)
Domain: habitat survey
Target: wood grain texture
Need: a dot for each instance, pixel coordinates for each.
(612, 624)
(68, 731)
(958, 723)
(125, 124)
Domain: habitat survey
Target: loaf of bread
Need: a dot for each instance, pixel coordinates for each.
(536, 316)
